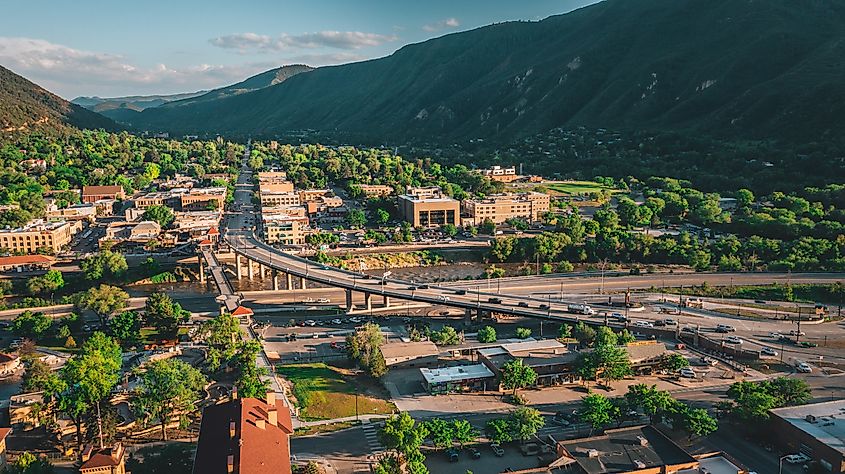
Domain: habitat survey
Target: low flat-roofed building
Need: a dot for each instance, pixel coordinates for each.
(460, 378)
(200, 199)
(105, 207)
(646, 355)
(817, 430)
(498, 173)
(636, 449)
(306, 195)
(96, 193)
(279, 187)
(142, 231)
(272, 176)
(428, 207)
(553, 361)
(24, 263)
(158, 198)
(75, 212)
(499, 208)
(376, 190)
(39, 234)
(292, 210)
(400, 352)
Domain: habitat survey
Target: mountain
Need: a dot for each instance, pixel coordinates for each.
(258, 81)
(135, 102)
(26, 106)
(725, 68)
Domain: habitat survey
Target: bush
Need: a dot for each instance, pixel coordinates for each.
(487, 334)
(523, 333)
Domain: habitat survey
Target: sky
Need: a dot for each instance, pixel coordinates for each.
(112, 48)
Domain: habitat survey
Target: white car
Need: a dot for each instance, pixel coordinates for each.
(733, 340)
(804, 368)
(643, 324)
(444, 298)
(797, 333)
(796, 458)
(775, 335)
(687, 373)
(323, 300)
(768, 351)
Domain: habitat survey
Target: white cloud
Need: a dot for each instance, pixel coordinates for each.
(322, 39)
(448, 23)
(70, 72)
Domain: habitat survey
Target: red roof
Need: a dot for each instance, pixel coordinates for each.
(206, 242)
(111, 456)
(242, 311)
(4, 432)
(26, 259)
(240, 429)
(98, 190)
(213, 231)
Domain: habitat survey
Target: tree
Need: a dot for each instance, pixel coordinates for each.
(498, 431)
(502, 248)
(449, 229)
(47, 283)
(516, 375)
(404, 436)
(523, 333)
(31, 325)
(606, 337)
(126, 328)
(163, 215)
(364, 347)
(250, 381)
(447, 336)
(105, 263)
(625, 337)
(676, 362)
(525, 422)
(164, 313)
(487, 334)
(744, 198)
(584, 334)
(168, 388)
(463, 432)
(565, 331)
(105, 300)
(487, 227)
(5, 288)
(596, 410)
(356, 218)
(37, 375)
(440, 432)
(697, 422)
(382, 216)
(652, 401)
(789, 390)
(604, 362)
(313, 468)
(28, 463)
(222, 335)
(494, 272)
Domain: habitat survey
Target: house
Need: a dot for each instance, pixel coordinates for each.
(244, 436)
(416, 352)
(96, 193)
(108, 460)
(816, 430)
(25, 263)
(463, 378)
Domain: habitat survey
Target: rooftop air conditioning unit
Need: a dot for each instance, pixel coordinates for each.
(642, 440)
(593, 453)
(811, 419)
(640, 464)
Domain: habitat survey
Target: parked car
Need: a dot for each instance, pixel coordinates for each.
(687, 373)
(670, 322)
(473, 452)
(725, 328)
(561, 419)
(804, 368)
(796, 458)
(497, 450)
(733, 340)
(452, 454)
(768, 351)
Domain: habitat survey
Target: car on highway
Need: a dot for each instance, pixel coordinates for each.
(460, 292)
(689, 329)
(618, 317)
(422, 287)
(687, 373)
(807, 344)
(643, 324)
(768, 351)
(310, 322)
(337, 322)
(725, 328)
(544, 306)
(494, 300)
(444, 298)
(323, 300)
(522, 304)
(733, 340)
(804, 368)
(308, 300)
(775, 335)
(797, 333)
(796, 458)
(670, 322)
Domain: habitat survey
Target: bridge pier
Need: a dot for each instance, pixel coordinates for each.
(275, 275)
(302, 283)
(348, 300)
(468, 315)
(261, 270)
(288, 281)
(238, 266)
(249, 270)
(202, 269)
(368, 301)
(386, 301)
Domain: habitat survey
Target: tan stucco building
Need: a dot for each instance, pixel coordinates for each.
(499, 208)
(429, 207)
(37, 234)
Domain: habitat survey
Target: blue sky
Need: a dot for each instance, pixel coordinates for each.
(114, 47)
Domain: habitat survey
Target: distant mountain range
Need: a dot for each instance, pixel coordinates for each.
(25, 107)
(724, 68)
(135, 102)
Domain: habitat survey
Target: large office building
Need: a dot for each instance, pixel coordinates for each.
(96, 193)
(274, 199)
(429, 207)
(284, 229)
(501, 207)
(198, 199)
(39, 234)
(816, 430)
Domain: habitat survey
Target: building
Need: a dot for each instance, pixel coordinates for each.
(464, 378)
(376, 190)
(75, 212)
(645, 356)
(26, 263)
(552, 360)
(275, 199)
(428, 207)
(497, 173)
(4, 432)
(501, 207)
(244, 436)
(142, 231)
(96, 193)
(636, 449)
(109, 460)
(280, 187)
(9, 364)
(38, 234)
(416, 352)
(198, 199)
(197, 223)
(817, 430)
(159, 198)
(272, 176)
(284, 229)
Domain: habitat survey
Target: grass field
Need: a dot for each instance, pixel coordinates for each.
(578, 187)
(323, 392)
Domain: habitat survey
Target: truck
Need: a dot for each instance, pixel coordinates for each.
(580, 309)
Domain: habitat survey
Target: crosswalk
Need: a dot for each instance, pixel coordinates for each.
(371, 435)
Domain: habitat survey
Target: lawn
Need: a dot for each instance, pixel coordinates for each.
(579, 187)
(174, 458)
(323, 392)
